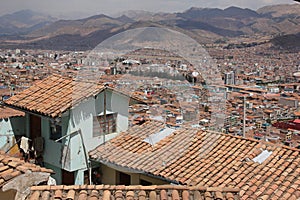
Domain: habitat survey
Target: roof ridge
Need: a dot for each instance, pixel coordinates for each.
(255, 140)
(133, 187)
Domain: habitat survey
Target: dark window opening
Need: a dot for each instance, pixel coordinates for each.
(123, 179)
(145, 183)
(55, 131)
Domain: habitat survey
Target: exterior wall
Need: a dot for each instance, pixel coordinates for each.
(115, 103)
(109, 177)
(79, 177)
(135, 180)
(27, 119)
(81, 117)
(10, 127)
(288, 102)
(58, 175)
(8, 195)
(52, 150)
(69, 153)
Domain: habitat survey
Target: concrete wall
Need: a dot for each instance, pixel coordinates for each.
(8, 195)
(81, 117)
(109, 177)
(52, 150)
(10, 127)
(69, 153)
(115, 102)
(58, 174)
(71, 150)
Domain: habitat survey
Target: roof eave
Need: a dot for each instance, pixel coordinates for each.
(131, 170)
(31, 111)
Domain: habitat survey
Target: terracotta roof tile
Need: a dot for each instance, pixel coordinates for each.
(12, 167)
(53, 95)
(163, 192)
(6, 112)
(35, 195)
(190, 156)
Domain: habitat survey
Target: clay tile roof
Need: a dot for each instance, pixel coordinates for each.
(194, 157)
(11, 167)
(6, 112)
(53, 95)
(131, 192)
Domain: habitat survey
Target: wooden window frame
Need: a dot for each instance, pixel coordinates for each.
(111, 124)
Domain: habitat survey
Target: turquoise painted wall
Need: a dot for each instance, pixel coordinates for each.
(10, 127)
(57, 175)
(81, 117)
(69, 154)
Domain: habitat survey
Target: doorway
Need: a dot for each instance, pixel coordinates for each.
(35, 127)
(67, 177)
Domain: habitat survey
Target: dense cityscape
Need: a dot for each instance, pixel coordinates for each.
(151, 123)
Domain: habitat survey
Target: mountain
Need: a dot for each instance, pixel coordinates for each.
(206, 25)
(137, 15)
(289, 42)
(281, 18)
(77, 27)
(207, 13)
(277, 11)
(23, 22)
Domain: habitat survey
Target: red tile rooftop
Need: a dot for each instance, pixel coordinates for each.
(11, 167)
(193, 157)
(6, 112)
(118, 192)
(53, 95)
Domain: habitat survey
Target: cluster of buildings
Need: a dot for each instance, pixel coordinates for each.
(151, 127)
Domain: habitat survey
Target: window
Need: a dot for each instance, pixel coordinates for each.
(55, 131)
(102, 125)
(145, 183)
(123, 179)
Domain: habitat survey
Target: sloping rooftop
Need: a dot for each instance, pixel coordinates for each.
(53, 95)
(108, 192)
(193, 157)
(6, 112)
(11, 167)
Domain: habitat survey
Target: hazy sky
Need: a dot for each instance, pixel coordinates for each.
(80, 8)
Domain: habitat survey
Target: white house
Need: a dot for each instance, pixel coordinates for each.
(12, 125)
(73, 112)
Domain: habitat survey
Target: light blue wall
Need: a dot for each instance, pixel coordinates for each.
(81, 117)
(69, 154)
(52, 150)
(57, 175)
(115, 102)
(79, 177)
(10, 127)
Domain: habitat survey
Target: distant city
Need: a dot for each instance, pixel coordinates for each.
(151, 124)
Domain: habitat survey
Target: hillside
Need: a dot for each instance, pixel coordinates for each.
(206, 25)
(23, 22)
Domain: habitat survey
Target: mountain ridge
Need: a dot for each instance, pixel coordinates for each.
(205, 24)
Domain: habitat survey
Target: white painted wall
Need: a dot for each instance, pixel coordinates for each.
(10, 127)
(52, 150)
(81, 117)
